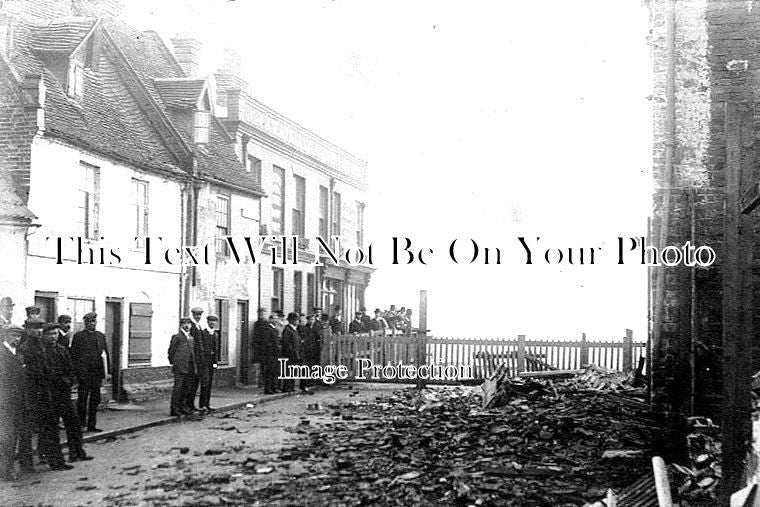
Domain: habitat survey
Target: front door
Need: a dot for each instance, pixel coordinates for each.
(113, 342)
(243, 342)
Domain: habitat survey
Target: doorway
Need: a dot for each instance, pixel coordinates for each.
(243, 342)
(113, 334)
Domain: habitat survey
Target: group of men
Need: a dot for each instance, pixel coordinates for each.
(297, 338)
(39, 364)
(388, 322)
(193, 354)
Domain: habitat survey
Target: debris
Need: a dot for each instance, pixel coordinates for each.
(265, 470)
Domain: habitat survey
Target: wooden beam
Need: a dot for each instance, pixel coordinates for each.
(737, 304)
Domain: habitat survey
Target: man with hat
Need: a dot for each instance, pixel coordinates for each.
(270, 350)
(89, 354)
(260, 332)
(365, 320)
(197, 329)
(378, 325)
(290, 348)
(61, 378)
(12, 386)
(208, 361)
(184, 367)
(32, 311)
(356, 326)
(64, 330)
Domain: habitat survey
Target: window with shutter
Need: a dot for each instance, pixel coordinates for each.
(140, 321)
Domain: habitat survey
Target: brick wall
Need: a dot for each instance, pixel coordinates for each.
(712, 40)
(18, 125)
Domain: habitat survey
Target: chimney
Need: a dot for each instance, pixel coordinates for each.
(229, 74)
(187, 51)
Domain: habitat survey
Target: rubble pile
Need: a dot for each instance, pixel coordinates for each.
(697, 482)
(543, 445)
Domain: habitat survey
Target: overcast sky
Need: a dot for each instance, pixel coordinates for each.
(484, 120)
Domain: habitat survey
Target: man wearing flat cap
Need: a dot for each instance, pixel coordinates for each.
(89, 354)
(32, 311)
(64, 330)
(196, 330)
(184, 367)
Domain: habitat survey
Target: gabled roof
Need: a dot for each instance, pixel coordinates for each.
(181, 92)
(62, 35)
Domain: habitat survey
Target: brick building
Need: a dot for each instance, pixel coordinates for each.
(107, 133)
(314, 189)
(107, 138)
(704, 331)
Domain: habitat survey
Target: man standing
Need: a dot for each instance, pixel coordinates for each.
(336, 323)
(270, 350)
(356, 326)
(33, 311)
(184, 367)
(90, 357)
(64, 330)
(260, 330)
(12, 388)
(365, 320)
(290, 340)
(208, 362)
(378, 325)
(196, 331)
(61, 378)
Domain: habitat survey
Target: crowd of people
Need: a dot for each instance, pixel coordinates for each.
(391, 321)
(39, 363)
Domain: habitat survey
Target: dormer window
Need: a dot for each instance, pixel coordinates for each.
(200, 126)
(76, 80)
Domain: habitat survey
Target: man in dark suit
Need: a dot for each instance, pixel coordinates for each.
(64, 330)
(208, 362)
(196, 331)
(356, 326)
(61, 378)
(260, 331)
(290, 346)
(89, 354)
(270, 351)
(184, 367)
(12, 386)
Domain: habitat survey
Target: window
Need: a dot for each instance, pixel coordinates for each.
(222, 308)
(140, 189)
(359, 224)
(46, 302)
(200, 127)
(79, 308)
(244, 151)
(89, 197)
(277, 289)
(278, 200)
(299, 210)
(336, 214)
(323, 211)
(297, 291)
(222, 224)
(76, 79)
(254, 167)
(140, 332)
(309, 292)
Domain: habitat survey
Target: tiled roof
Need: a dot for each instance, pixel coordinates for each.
(180, 92)
(106, 120)
(62, 35)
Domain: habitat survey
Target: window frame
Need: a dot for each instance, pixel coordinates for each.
(201, 132)
(222, 247)
(90, 187)
(141, 210)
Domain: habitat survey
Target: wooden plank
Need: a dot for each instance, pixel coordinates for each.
(422, 345)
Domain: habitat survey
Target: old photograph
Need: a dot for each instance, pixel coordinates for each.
(327, 252)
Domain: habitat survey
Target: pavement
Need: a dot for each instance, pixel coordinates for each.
(120, 418)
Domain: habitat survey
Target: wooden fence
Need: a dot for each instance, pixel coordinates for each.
(481, 356)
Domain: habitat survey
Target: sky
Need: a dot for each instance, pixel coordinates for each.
(479, 120)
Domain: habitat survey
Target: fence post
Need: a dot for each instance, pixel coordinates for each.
(628, 350)
(584, 350)
(520, 353)
(422, 337)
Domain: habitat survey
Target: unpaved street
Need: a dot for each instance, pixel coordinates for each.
(188, 463)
